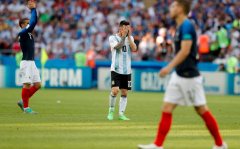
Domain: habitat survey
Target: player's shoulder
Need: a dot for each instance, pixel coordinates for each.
(22, 32)
(187, 24)
(132, 37)
(112, 37)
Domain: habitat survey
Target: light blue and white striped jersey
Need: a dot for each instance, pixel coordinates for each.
(121, 59)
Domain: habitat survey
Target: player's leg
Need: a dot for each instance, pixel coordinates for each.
(212, 126)
(34, 76)
(25, 95)
(123, 104)
(172, 97)
(112, 102)
(164, 127)
(36, 86)
(194, 95)
(165, 123)
(26, 68)
(124, 86)
(113, 95)
(32, 90)
(36, 81)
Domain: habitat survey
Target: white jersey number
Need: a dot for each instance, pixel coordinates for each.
(129, 83)
(124, 49)
(30, 35)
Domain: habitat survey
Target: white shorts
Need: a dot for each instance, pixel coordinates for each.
(29, 71)
(185, 91)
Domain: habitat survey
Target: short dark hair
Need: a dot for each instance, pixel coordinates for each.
(123, 22)
(185, 5)
(22, 21)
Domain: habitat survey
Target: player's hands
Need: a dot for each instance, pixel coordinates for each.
(165, 71)
(129, 31)
(31, 4)
(124, 31)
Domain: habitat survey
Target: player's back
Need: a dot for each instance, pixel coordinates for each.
(188, 68)
(27, 45)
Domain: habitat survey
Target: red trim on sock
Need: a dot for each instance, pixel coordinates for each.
(32, 90)
(212, 126)
(164, 127)
(25, 97)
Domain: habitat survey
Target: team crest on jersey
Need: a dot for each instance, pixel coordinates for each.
(128, 42)
(113, 82)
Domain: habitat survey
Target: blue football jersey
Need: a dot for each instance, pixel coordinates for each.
(188, 68)
(26, 39)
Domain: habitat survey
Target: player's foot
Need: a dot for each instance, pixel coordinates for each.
(224, 146)
(20, 104)
(150, 146)
(29, 111)
(110, 114)
(123, 117)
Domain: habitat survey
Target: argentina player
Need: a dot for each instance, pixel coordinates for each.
(185, 86)
(121, 45)
(28, 68)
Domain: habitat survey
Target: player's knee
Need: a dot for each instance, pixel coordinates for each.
(201, 109)
(124, 92)
(38, 85)
(168, 108)
(115, 92)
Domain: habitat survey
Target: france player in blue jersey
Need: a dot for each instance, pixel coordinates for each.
(185, 86)
(29, 71)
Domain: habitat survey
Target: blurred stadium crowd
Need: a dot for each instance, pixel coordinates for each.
(69, 26)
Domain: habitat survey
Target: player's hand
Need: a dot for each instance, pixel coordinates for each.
(124, 31)
(129, 31)
(164, 72)
(31, 4)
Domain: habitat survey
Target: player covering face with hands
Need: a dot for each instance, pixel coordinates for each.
(29, 71)
(121, 45)
(185, 86)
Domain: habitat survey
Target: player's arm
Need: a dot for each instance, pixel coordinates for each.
(132, 44)
(33, 20)
(120, 44)
(131, 40)
(113, 42)
(182, 54)
(124, 33)
(186, 44)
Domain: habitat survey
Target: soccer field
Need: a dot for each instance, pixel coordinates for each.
(80, 121)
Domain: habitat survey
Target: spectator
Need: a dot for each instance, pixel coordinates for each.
(235, 36)
(143, 49)
(221, 67)
(138, 34)
(236, 23)
(65, 27)
(232, 65)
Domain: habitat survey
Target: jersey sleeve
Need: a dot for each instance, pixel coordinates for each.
(112, 41)
(132, 39)
(187, 30)
(32, 24)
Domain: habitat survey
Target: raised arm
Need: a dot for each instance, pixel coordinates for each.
(33, 20)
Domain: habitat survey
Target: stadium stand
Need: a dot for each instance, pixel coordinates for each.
(67, 27)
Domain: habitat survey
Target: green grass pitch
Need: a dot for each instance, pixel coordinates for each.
(80, 121)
